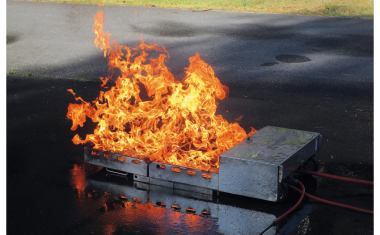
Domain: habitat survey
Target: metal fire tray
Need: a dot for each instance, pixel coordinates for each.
(254, 168)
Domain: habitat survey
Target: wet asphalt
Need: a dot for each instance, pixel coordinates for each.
(307, 73)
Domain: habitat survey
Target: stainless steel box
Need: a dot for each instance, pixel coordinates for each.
(256, 166)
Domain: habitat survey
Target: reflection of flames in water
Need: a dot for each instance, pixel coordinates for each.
(144, 217)
(78, 180)
(137, 216)
(177, 125)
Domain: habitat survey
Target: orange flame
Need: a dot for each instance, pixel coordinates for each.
(77, 180)
(239, 118)
(177, 125)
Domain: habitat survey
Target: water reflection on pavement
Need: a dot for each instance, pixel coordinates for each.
(51, 191)
(124, 206)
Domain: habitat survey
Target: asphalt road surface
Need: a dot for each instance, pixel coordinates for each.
(301, 72)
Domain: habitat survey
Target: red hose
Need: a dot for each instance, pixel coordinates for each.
(289, 211)
(295, 206)
(303, 193)
(337, 177)
(330, 202)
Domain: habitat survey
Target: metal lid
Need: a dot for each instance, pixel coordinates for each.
(271, 145)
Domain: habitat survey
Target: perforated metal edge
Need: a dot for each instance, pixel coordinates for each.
(157, 172)
(112, 161)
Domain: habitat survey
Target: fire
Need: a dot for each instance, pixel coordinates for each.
(77, 180)
(177, 125)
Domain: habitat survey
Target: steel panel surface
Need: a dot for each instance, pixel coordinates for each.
(191, 194)
(299, 157)
(248, 178)
(141, 178)
(192, 188)
(155, 171)
(272, 145)
(113, 162)
(161, 182)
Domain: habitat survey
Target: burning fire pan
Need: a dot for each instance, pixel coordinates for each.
(254, 168)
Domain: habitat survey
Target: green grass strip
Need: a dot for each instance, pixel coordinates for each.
(336, 8)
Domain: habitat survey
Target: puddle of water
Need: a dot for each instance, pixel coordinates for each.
(292, 58)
